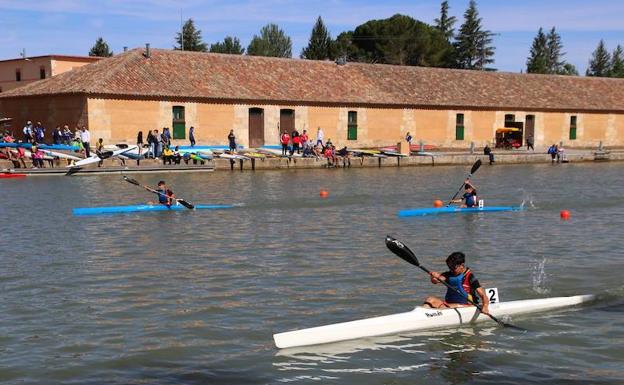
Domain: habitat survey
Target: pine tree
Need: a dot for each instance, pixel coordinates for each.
(229, 45)
(473, 47)
(538, 61)
(100, 48)
(600, 63)
(568, 69)
(190, 39)
(617, 63)
(271, 42)
(445, 23)
(320, 46)
(554, 48)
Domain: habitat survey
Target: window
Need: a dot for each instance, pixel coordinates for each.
(42, 74)
(459, 127)
(509, 118)
(352, 126)
(18, 75)
(572, 127)
(179, 124)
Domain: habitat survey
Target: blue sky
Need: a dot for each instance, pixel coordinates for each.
(71, 26)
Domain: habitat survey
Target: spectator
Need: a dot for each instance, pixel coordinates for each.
(39, 133)
(67, 135)
(561, 156)
(320, 136)
(99, 148)
(140, 146)
(285, 139)
(488, 151)
(176, 155)
(552, 150)
(167, 155)
(317, 151)
(345, 155)
(232, 141)
(20, 156)
(166, 137)
(408, 138)
(28, 132)
(158, 145)
(151, 142)
(529, 143)
(304, 138)
(296, 140)
(192, 136)
(36, 156)
(307, 148)
(57, 135)
(85, 138)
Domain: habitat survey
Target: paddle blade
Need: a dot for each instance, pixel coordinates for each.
(72, 171)
(475, 166)
(186, 204)
(130, 180)
(398, 248)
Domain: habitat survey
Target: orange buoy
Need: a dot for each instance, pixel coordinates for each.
(437, 203)
(324, 194)
(565, 215)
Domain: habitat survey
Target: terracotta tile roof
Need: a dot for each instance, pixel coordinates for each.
(171, 74)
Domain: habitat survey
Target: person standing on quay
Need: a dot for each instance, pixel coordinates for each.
(139, 145)
(85, 138)
(529, 143)
(320, 136)
(192, 136)
(285, 138)
(28, 132)
(232, 141)
(295, 140)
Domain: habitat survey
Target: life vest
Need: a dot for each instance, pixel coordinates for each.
(285, 138)
(462, 283)
(163, 195)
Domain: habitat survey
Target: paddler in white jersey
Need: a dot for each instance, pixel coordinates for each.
(461, 278)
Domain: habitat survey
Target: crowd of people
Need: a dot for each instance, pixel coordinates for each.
(302, 143)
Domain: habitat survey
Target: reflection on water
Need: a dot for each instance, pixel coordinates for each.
(195, 297)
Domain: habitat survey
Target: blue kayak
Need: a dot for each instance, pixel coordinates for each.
(455, 210)
(57, 147)
(141, 208)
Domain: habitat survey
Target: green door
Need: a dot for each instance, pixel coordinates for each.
(179, 124)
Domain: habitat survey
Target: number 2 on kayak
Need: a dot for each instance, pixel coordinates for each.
(493, 294)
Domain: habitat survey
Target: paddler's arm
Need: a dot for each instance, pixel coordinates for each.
(436, 277)
(485, 300)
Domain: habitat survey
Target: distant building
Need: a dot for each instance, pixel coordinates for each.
(355, 104)
(18, 72)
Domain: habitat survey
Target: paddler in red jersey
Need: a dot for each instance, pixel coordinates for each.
(461, 278)
(165, 195)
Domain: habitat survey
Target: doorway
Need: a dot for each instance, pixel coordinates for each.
(256, 127)
(287, 120)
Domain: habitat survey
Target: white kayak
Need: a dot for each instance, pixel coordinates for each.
(418, 319)
(96, 158)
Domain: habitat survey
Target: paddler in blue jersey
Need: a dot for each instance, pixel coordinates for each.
(165, 195)
(470, 195)
(461, 278)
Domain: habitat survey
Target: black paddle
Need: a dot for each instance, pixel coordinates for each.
(407, 255)
(474, 169)
(181, 201)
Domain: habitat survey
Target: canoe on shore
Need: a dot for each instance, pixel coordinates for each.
(455, 210)
(7, 175)
(141, 208)
(419, 319)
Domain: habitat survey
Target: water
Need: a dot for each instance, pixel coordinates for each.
(194, 297)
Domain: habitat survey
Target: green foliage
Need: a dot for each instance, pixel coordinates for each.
(230, 45)
(554, 48)
(190, 39)
(320, 46)
(617, 63)
(473, 44)
(445, 23)
(546, 56)
(271, 42)
(100, 48)
(538, 61)
(397, 40)
(600, 63)
(568, 69)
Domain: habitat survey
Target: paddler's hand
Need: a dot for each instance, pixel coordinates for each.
(435, 277)
(485, 309)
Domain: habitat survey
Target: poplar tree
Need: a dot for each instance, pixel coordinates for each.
(320, 46)
(538, 61)
(230, 45)
(272, 42)
(445, 23)
(600, 63)
(473, 47)
(617, 63)
(100, 48)
(190, 38)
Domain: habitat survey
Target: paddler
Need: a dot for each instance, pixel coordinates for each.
(165, 195)
(461, 278)
(470, 195)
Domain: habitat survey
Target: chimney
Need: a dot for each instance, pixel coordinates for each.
(125, 48)
(147, 50)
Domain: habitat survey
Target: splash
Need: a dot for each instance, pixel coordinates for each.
(540, 277)
(527, 199)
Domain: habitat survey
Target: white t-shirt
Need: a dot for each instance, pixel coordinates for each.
(85, 137)
(319, 135)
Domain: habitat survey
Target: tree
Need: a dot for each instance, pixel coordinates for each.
(229, 45)
(100, 48)
(320, 46)
(617, 63)
(190, 38)
(600, 63)
(568, 69)
(271, 42)
(538, 61)
(473, 47)
(445, 23)
(554, 48)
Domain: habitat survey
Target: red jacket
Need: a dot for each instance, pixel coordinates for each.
(285, 138)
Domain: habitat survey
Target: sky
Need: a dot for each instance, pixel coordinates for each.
(70, 27)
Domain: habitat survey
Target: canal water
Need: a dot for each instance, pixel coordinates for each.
(195, 297)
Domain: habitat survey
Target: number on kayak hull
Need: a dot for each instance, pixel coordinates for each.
(492, 294)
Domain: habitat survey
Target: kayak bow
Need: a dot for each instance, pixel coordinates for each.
(455, 210)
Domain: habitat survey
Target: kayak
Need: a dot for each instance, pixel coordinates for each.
(454, 210)
(11, 175)
(141, 208)
(58, 147)
(105, 155)
(419, 319)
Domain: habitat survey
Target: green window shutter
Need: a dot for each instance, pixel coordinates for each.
(352, 126)
(572, 127)
(459, 127)
(179, 124)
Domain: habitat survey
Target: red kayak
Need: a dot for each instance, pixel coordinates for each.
(11, 175)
